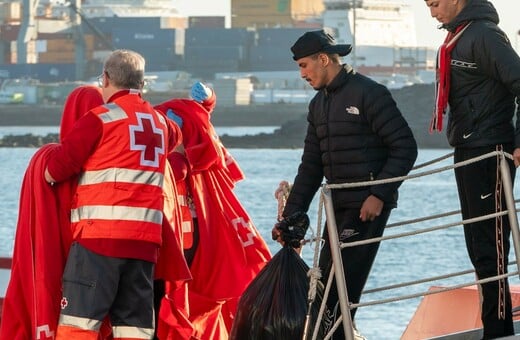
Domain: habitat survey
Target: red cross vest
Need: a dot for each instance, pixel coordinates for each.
(119, 193)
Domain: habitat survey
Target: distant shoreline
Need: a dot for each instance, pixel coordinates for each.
(415, 102)
(246, 115)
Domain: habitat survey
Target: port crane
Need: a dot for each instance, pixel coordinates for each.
(28, 32)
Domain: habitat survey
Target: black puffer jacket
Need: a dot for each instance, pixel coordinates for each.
(355, 133)
(485, 78)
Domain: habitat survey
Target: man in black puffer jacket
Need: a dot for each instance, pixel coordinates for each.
(355, 133)
(485, 79)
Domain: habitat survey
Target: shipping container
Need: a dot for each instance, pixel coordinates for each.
(57, 45)
(103, 42)
(174, 22)
(285, 37)
(31, 46)
(45, 73)
(207, 22)
(179, 41)
(207, 69)
(271, 58)
(212, 53)
(5, 51)
(10, 12)
(53, 26)
(218, 36)
(9, 32)
(57, 57)
(143, 37)
(269, 13)
(107, 24)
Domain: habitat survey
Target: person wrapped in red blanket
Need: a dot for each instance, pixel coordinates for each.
(229, 251)
(43, 237)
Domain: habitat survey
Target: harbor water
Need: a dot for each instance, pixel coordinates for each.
(398, 260)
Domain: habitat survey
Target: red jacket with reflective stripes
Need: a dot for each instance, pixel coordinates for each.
(119, 194)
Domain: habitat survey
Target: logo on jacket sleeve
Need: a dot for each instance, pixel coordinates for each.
(64, 303)
(147, 138)
(352, 110)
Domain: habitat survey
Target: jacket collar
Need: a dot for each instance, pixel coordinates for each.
(343, 75)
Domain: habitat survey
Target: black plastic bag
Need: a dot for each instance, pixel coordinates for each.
(275, 304)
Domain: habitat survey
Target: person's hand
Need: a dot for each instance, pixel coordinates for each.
(200, 92)
(371, 208)
(291, 230)
(173, 116)
(516, 157)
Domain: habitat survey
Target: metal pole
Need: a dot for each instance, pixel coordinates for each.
(337, 263)
(27, 31)
(79, 39)
(511, 208)
(354, 6)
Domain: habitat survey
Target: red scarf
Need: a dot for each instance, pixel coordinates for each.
(442, 88)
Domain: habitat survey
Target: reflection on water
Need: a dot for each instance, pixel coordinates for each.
(244, 130)
(398, 260)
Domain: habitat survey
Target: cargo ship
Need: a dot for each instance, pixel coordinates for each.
(57, 42)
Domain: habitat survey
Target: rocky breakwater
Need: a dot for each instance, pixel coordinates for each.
(416, 103)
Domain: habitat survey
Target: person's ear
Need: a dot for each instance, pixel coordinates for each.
(324, 59)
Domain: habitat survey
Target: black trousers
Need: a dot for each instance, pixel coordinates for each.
(357, 261)
(95, 286)
(481, 192)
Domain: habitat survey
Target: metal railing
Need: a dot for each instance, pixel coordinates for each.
(337, 263)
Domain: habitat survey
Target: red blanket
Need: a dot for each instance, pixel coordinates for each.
(231, 251)
(43, 237)
(171, 265)
(42, 241)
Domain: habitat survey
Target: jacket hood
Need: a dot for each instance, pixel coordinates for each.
(474, 10)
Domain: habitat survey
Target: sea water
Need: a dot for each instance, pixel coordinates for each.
(415, 257)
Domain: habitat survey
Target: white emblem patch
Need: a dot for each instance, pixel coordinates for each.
(352, 110)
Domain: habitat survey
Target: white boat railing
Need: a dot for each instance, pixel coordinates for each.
(337, 266)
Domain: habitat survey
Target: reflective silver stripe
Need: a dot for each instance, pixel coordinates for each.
(114, 212)
(186, 227)
(127, 332)
(121, 175)
(229, 161)
(161, 118)
(182, 200)
(78, 322)
(115, 112)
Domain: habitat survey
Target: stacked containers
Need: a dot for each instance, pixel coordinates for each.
(271, 51)
(211, 50)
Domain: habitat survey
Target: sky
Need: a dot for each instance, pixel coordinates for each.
(427, 33)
